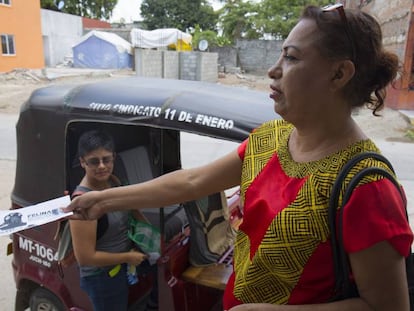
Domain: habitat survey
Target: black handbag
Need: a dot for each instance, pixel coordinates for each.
(344, 288)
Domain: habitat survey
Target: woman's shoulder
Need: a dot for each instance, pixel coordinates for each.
(362, 146)
(326, 170)
(335, 161)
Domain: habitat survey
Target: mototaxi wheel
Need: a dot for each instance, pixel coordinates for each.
(43, 300)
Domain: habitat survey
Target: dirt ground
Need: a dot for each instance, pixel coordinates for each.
(16, 86)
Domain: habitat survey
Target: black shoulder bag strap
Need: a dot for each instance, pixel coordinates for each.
(344, 288)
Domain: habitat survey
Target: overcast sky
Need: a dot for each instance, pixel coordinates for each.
(130, 9)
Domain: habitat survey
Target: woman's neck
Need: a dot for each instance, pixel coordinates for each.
(317, 142)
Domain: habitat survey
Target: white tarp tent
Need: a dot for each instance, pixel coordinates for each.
(149, 39)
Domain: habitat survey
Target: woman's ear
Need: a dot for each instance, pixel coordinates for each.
(342, 73)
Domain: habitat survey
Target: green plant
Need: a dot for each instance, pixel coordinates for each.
(212, 38)
(410, 134)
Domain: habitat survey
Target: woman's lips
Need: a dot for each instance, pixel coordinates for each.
(276, 93)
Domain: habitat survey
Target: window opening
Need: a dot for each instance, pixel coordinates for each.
(7, 44)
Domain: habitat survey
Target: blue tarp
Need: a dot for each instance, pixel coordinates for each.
(102, 50)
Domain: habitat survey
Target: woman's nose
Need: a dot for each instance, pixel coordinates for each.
(274, 72)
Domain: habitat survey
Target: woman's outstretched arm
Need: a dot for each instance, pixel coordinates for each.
(175, 187)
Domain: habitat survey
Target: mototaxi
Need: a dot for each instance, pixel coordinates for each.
(151, 120)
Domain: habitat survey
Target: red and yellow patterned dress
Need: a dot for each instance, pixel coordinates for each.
(282, 253)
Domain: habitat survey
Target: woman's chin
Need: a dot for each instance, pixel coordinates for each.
(279, 109)
(102, 177)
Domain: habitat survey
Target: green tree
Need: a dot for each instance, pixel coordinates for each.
(99, 9)
(211, 36)
(49, 5)
(278, 17)
(238, 19)
(257, 19)
(181, 14)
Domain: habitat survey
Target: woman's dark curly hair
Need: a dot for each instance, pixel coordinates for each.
(359, 39)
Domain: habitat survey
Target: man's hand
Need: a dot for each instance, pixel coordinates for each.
(85, 206)
(135, 258)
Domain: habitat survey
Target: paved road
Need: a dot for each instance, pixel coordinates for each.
(194, 152)
(7, 136)
(7, 168)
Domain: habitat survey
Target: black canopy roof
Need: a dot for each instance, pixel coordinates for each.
(199, 107)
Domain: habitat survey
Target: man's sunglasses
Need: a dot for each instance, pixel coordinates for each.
(95, 162)
(341, 11)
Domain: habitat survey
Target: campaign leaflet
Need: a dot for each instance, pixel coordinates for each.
(15, 220)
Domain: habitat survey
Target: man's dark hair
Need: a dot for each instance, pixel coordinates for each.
(95, 139)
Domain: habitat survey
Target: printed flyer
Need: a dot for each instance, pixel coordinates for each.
(12, 221)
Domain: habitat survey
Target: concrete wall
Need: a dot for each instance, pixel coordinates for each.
(252, 56)
(188, 64)
(197, 66)
(60, 31)
(148, 63)
(257, 56)
(207, 67)
(171, 65)
(227, 57)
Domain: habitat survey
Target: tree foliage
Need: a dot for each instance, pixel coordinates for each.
(278, 17)
(258, 19)
(211, 36)
(48, 4)
(99, 9)
(238, 19)
(181, 14)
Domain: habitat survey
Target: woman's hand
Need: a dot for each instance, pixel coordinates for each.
(85, 206)
(135, 258)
